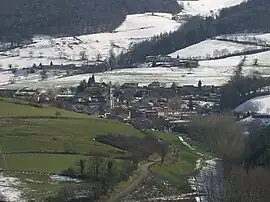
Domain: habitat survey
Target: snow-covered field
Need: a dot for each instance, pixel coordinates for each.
(9, 188)
(65, 50)
(213, 48)
(261, 39)
(206, 7)
(259, 104)
(210, 72)
(144, 76)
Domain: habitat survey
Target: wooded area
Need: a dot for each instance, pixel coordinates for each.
(23, 18)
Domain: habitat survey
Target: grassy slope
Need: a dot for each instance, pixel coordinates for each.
(8, 107)
(76, 135)
(53, 135)
(176, 167)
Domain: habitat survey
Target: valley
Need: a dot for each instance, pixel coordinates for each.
(124, 101)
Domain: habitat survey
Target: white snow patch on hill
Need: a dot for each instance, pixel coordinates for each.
(260, 39)
(263, 59)
(259, 104)
(204, 7)
(144, 76)
(134, 29)
(212, 48)
(263, 62)
(226, 62)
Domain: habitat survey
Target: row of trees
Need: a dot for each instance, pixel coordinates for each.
(241, 88)
(102, 173)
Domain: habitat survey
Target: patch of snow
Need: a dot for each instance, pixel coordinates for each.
(9, 188)
(259, 38)
(144, 76)
(206, 7)
(185, 143)
(259, 121)
(34, 181)
(212, 48)
(259, 104)
(60, 178)
(5, 77)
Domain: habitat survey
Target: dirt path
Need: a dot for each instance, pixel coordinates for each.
(143, 174)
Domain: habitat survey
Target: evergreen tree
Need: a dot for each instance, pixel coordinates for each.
(82, 86)
(112, 60)
(200, 84)
(174, 86)
(91, 80)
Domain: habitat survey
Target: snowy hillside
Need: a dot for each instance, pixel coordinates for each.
(212, 48)
(258, 105)
(65, 50)
(206, 7)
(210, 72)
(134, 29)
(144, 76)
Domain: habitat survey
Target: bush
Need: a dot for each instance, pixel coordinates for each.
(220, 132)
(70, 172)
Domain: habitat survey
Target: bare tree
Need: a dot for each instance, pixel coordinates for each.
(163, 151)
(98, 58)
(83, 55)
(255, 62)
(57, 114)
(61, 54)
(220, 132)
(97, 165)
(236, 185)
(82, 165)
(216, 53)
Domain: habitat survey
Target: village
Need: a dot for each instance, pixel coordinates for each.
(154, 107)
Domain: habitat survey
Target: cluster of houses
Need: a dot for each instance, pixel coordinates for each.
(147, 107)
(168, 61)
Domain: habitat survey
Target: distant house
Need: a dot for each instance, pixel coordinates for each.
(26, 94)
(64, 97)
(151, 114)
(136, 113)
(179, 123)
